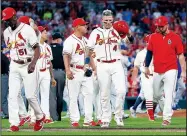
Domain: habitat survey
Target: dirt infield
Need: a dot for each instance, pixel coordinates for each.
(177, 113)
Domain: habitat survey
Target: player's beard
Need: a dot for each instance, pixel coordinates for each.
(163, 32)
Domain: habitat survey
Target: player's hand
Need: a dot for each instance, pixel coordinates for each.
(53, 82)
(183, 76)
(31, 67)
(147, 72)
(86, 66)
(69, 74)
(100, 41)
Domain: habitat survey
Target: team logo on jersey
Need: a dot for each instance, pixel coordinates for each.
(99, 40)
(169, 41)
(21, 37)
(79, 50)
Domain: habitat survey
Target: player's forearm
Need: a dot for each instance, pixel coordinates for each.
(36, 54)
(88, 52)
(88, 58)
(51, 70)
(92, 64)
(66, 62)
(182, 62)
(134, 73)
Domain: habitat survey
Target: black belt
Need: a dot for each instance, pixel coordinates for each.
(58, 69)
(22, 61)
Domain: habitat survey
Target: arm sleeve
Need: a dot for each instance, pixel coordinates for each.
(148, 58)
(32, 38)
(67, 47)
(179, 46)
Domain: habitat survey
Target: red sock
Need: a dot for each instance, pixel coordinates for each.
(149, 106)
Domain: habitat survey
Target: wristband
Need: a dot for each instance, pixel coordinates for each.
(87, 60)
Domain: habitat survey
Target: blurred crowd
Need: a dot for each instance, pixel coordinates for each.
(57, 16)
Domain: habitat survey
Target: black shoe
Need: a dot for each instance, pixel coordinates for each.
(5, 117)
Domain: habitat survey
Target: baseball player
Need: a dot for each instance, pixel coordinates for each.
(24, 53)
(77, 79)
(45, 74)
(165, 46)
(180, 89)
(146, 84)
(106, 41)
(22, 109)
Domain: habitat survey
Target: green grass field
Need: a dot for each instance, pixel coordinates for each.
(133, 126)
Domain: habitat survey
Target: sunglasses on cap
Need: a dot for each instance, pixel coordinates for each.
(107, 13)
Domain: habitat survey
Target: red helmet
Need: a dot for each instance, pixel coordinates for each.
(7, 13)
(146, 38)
(24, 19)
(161, 21)
(121, 27)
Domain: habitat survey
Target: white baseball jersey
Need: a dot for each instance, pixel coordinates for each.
(75, 47)
(22, 39)
(139, 61)
(109, 50)
(45, 56)
(126, 63)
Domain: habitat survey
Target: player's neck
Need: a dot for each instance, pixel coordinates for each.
(42, 41)
(15, 26)
(78, 34)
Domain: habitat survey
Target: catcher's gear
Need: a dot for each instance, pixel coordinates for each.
(88, 73)
(121, 27)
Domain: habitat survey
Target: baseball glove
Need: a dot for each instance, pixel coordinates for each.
(88, 73)
(121, 27)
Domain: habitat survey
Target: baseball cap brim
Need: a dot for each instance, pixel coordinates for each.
(6, 18)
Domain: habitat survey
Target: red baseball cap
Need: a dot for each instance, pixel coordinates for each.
(146, 38)
(161, 21)
(7, 13)
(24, 19)
(41, 28)
(79, 21)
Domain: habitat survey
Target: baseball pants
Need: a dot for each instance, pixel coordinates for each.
(179, 91)
(82, 84)
(56, 95)
(107, 74)
(166, 81)
(19, 73)
(96, 99)
(44, 80)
